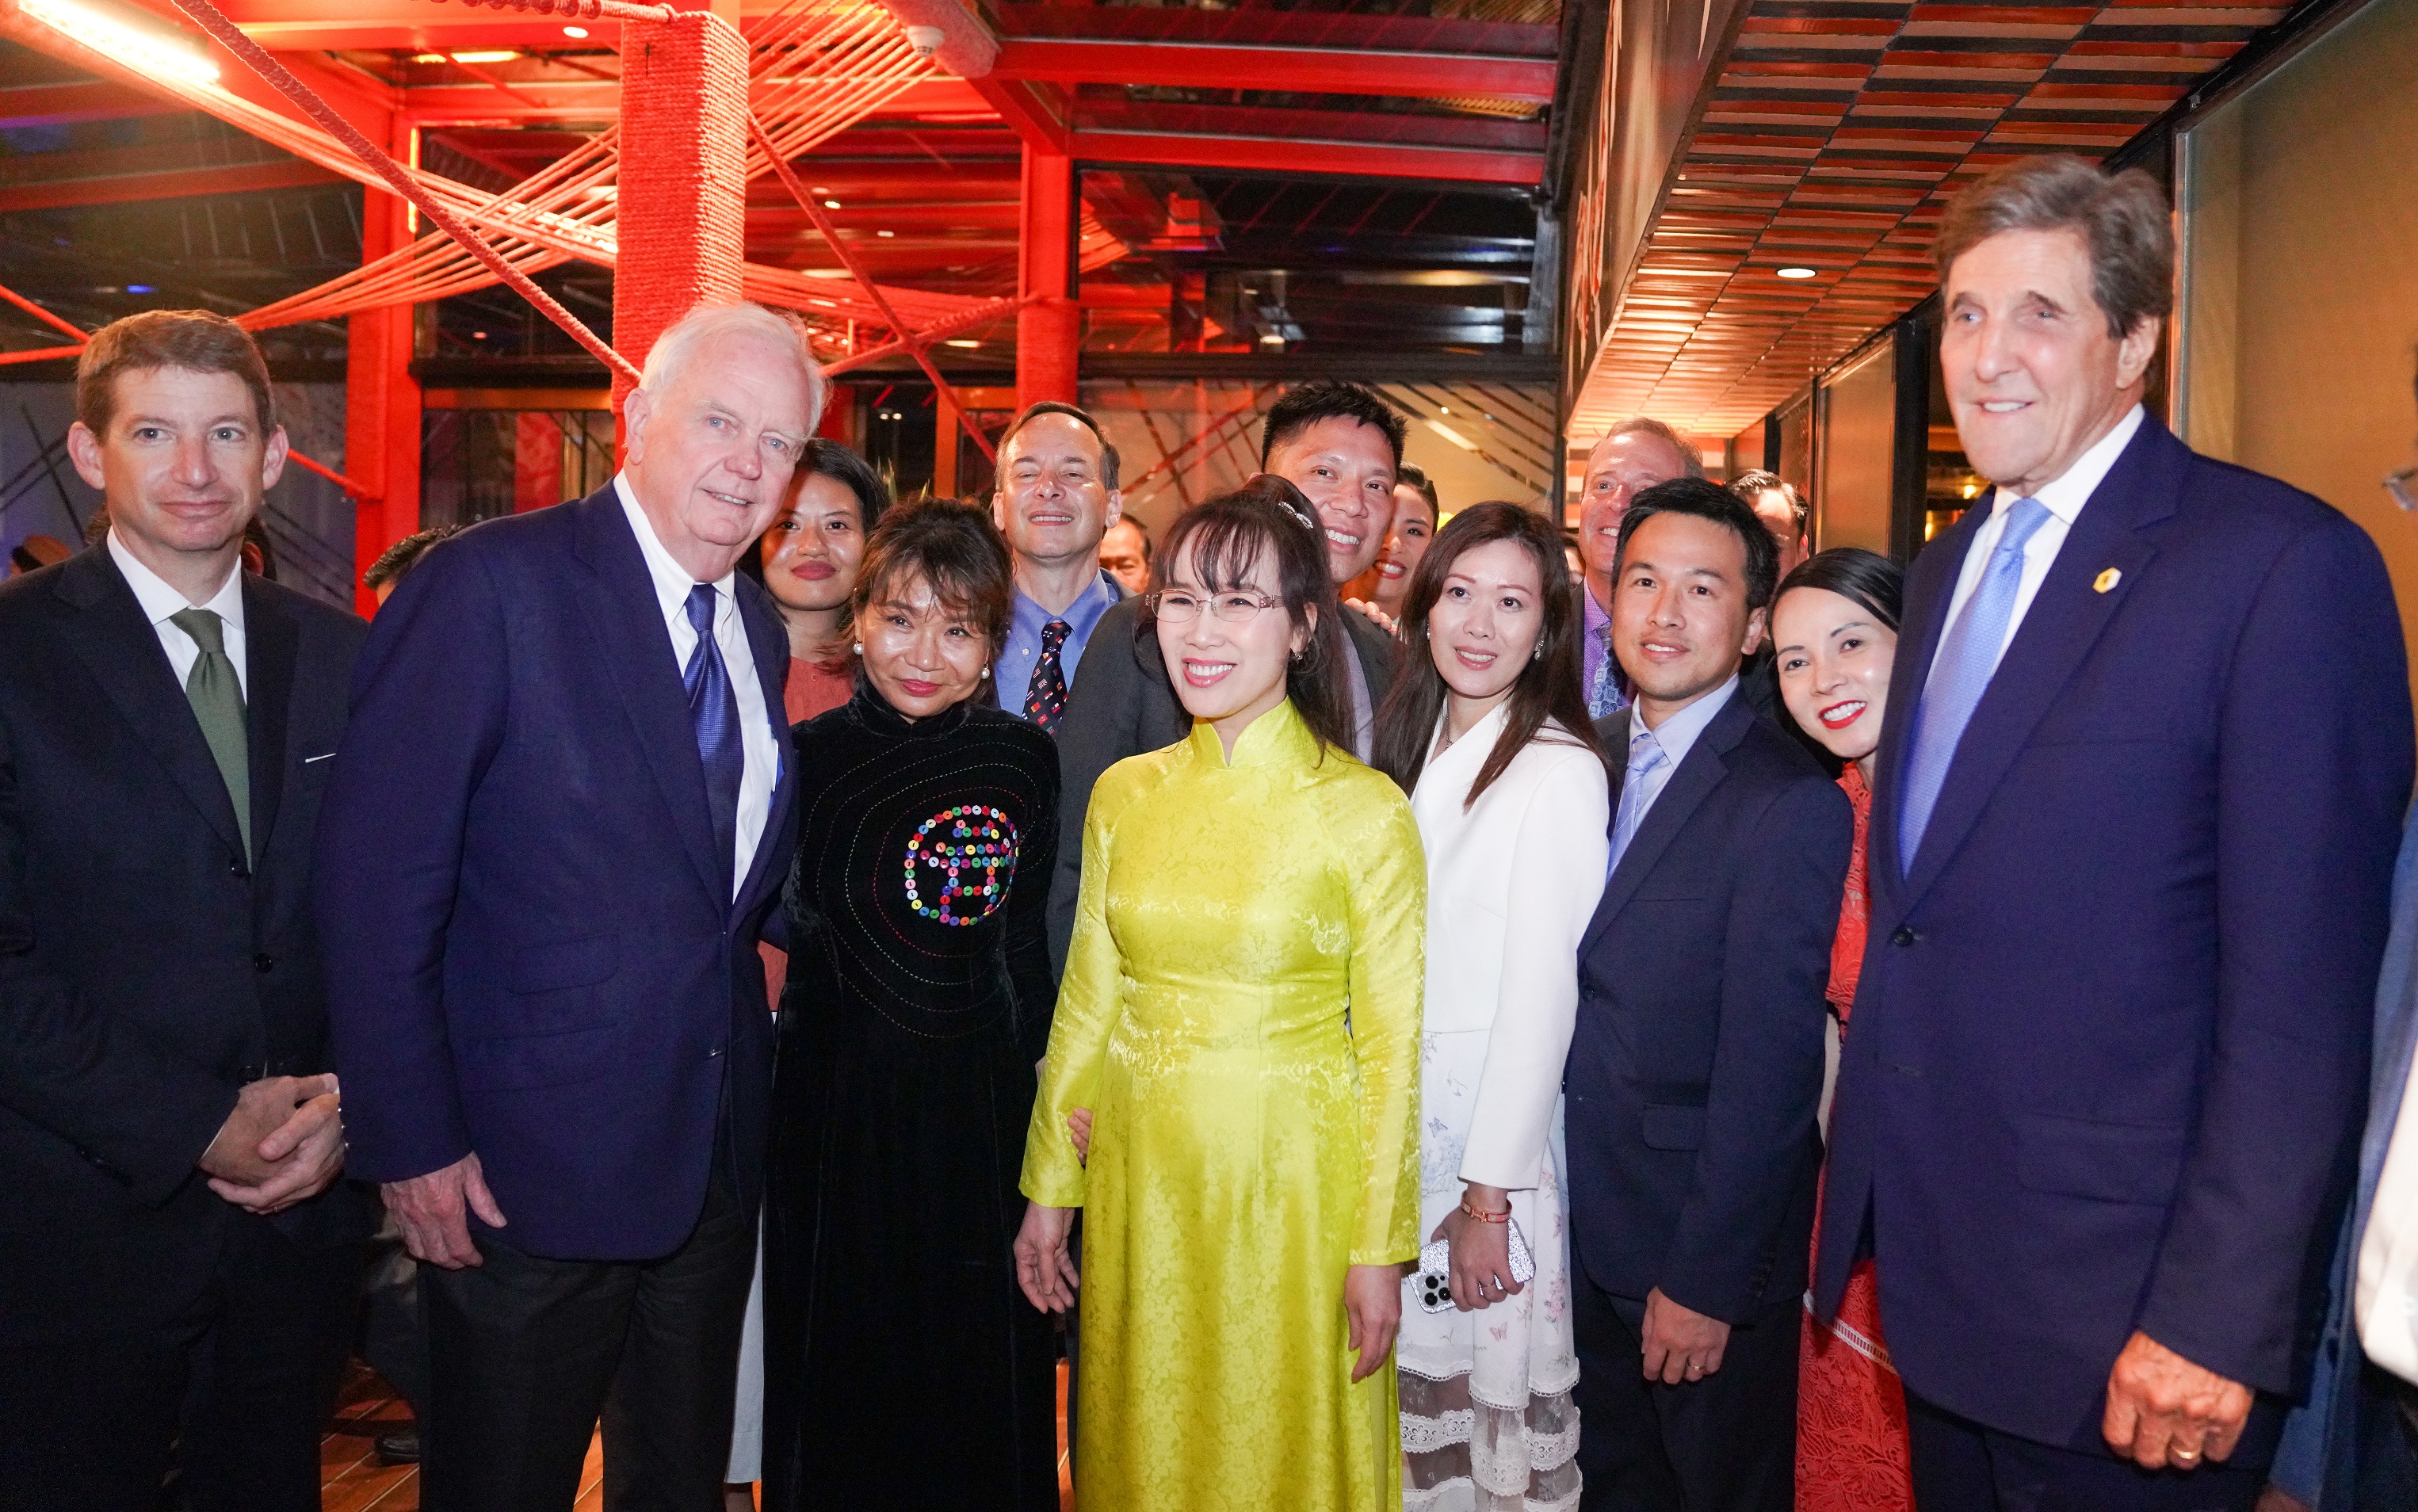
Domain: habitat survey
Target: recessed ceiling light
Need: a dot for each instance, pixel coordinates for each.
(478, 335)
(575, 31)
(885, 233)
(492, 54)
(831, 204)
(139, 288)
(1272, 339)
(961, 340)
(1795, 272)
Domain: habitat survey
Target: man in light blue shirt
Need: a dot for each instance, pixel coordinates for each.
(1057, 497)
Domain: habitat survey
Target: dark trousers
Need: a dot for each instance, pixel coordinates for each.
(1727, 1443)
(526, 1354)
(1961, 1466)
(234, 1398)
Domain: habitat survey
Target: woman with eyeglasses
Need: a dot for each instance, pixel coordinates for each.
(1240, 1015)
(1486, 731)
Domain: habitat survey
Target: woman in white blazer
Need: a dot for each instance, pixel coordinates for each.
(1486, 731)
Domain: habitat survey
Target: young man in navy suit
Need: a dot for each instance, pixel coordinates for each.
(556, 827)
(2130, 850)
(1697, 1060)
(177, 1275)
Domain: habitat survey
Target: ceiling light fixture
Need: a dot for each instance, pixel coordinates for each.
(885, 234)
(1272, 339)
(1796, 272)
(966, 342)
(831, 204)
(575, 31)
(174, 55)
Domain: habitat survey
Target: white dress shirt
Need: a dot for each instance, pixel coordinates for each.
(2063, 499)
(1512, 881)
(761, 751)
(159, 601)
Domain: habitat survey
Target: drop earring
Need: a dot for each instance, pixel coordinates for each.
(858, 649)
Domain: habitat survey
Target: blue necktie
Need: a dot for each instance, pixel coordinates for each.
(1604, 698)
(1967, 659)
(715, 710)
(1645, 756)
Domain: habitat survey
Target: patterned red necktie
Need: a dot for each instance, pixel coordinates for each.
(1045, 696)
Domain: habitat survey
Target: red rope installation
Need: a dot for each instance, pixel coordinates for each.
(847, 259)
(43, 353)
(230, 37)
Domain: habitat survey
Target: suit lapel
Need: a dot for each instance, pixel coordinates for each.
(122, 651)
(630, 638)
(1698, 775)
(771, 645)
(272, 641)
(2065, 619)
(1375, 649)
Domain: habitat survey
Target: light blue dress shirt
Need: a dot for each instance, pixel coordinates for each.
(1013, 670)
(1677, 736)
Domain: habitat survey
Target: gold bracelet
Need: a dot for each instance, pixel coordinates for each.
(1468, 1212)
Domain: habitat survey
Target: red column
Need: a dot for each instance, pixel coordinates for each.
(682, 198)
(381, 397)
(1049, 330)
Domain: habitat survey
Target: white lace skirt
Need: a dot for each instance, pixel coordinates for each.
(1488, 1425)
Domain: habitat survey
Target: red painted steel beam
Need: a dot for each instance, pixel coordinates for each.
(1038, 112)
(60, 104)
(1460, 165)
(177, 183)
(1310, 69)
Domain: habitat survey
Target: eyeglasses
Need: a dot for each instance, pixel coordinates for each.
(2403, 486)
(1178, 606)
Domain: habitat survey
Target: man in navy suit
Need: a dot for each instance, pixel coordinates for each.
(2130, 850)
(1697, 1060)
(558, 818)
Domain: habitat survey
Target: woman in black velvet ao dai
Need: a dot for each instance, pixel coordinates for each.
(903, 1367)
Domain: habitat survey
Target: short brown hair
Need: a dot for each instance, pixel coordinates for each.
(951, 544)
(194, 340)
(2121, 217)
(1080, 416)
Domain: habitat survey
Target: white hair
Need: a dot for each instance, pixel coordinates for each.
(678, 343)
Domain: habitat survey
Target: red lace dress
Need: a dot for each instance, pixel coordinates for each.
(1851, 1444)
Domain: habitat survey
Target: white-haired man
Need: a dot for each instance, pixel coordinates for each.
(548, 843)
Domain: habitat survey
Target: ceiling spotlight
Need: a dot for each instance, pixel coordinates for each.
(1272, 339)
(961, 340)
(885, 233)
(1795, 272)
(820, 190)
(831, 204)
(575, 31)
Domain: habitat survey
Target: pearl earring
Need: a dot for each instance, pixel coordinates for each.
(986, 672)
(858, 649)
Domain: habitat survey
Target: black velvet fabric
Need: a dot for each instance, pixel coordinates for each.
(903, 1367)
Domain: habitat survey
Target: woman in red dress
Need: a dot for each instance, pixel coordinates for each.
(1834, 634)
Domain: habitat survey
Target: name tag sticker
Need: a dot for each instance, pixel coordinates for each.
(2106, 580)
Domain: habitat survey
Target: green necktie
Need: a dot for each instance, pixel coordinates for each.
(217, 698)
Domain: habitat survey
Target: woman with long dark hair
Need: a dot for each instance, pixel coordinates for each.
(902, 1367)
(1488, 732)
(1240, 1012)
(1834, 636)
(809, 562)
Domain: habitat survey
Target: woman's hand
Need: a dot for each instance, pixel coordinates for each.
(1481, 1252)
(1078, 1133)
(1043, 1266)
(1372, 1305)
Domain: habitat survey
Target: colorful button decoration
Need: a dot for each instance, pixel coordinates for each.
(972, 849)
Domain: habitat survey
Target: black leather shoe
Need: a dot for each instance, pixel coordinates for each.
(400, 1448)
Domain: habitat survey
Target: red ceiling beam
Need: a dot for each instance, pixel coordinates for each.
(178, 183)
(59, 104)
(598, 99)
(1312, 69)
(1038, 112)
(1293, 156)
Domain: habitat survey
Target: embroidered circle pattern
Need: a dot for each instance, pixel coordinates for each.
(959, 862)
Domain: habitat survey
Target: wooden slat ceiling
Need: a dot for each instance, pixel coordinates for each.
(1835, 136)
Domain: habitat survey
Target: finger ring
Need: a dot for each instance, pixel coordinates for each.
(2183, 1456)
(1695, 1369)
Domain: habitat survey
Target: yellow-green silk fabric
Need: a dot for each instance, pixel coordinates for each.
(1246, 1146)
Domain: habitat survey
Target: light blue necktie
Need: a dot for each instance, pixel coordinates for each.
(1604, 698)
(1645, 756)
(1967, 659)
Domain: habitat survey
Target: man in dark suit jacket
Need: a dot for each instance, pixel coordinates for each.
(175, 1277)
(555, 829)
(2131, 851)
(1696, 1063)
(1339, 444)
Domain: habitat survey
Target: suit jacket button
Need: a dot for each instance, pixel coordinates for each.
(1904, 936)
(264, 963)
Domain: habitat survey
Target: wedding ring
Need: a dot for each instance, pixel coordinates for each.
(2183, 1456)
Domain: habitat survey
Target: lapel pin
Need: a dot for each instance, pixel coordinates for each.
(2106, 580)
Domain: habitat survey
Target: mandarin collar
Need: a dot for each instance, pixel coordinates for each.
(1277, 738)
(874, 711)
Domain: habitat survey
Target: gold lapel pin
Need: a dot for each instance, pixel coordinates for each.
(2106, 580)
